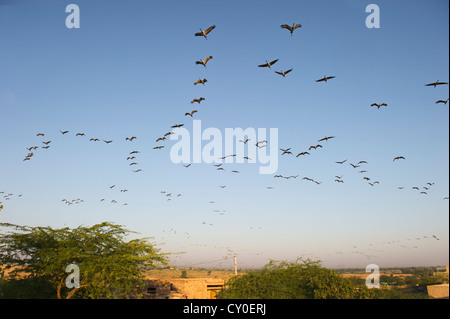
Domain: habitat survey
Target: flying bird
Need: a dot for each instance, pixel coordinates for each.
(161, 139)
(283, 73)
(378, 105)
(202, 81)
(204, 61)
(326, 138)
(131, 138)
(64, 132)
(80, 134)
(177, 125)
(40, 134)
(134, 152)
(398, 157)
(199, 100)
(204, 33)
(302, 153)
(315, 147)
(268, 64)
(325, 79)
(285, 151)
(291, 28)
(436, 83)
(442, 101)
(94, 140)
(245, 142)
(107, 142)
(191, 114)
(341, 162)
(158, 147)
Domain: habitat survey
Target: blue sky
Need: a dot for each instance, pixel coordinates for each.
(129, 71)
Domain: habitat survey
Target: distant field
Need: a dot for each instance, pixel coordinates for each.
(364, 276)
(194, 273)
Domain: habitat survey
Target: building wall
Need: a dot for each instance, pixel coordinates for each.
(197, 288)
(438, 291)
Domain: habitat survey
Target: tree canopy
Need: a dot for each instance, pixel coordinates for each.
(302, 279)
(109, 266)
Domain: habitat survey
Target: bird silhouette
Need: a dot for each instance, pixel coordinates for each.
(94, 140)
(283, 73)
(315, 147)
(326, 138)
(131, 138)
(158, 147)
(302, 153)
(286, 151)
(199, 100)
(325, 79)
(268, 64)
(436, 83)
(291, 28)
(398, 157)
(442, 101)
(107, 142)
(64, 132)
(341, 162)
(177, 125)
(191, 114)
(204, 62)
(40, 134)
(80, 134)
(161, 139)
(204, 33)
(202, 81)
(378, 105)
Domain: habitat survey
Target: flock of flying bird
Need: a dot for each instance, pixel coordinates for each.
(131, 157)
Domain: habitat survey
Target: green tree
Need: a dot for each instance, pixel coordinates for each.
(302, 279)
(109, 266)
